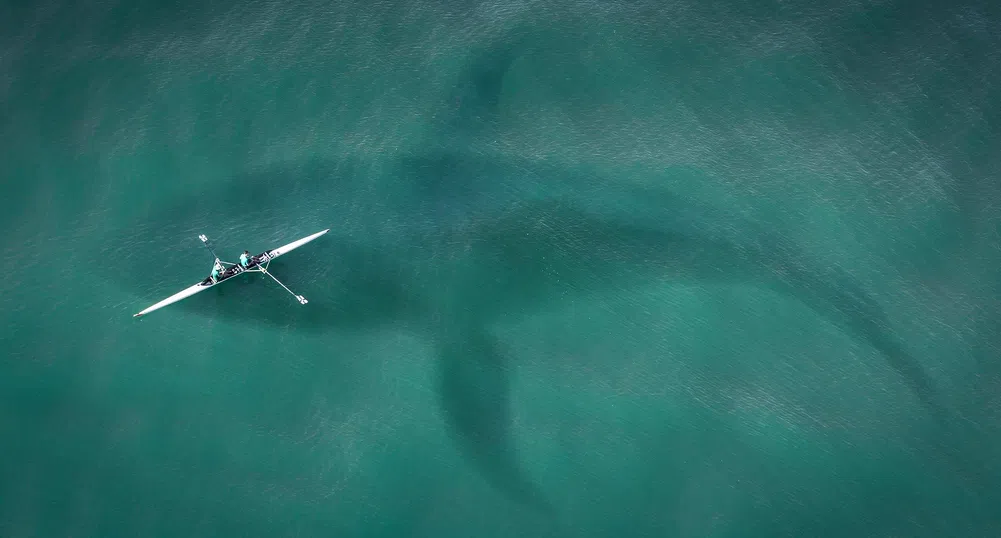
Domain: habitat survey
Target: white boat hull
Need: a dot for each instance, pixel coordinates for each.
(183, 294)
(285, 249)
(261, 259)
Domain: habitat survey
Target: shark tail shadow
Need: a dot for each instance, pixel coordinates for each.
(952, 439)
(841, 299)
(475, 388)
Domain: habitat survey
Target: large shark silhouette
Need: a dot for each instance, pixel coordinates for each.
(459, 247)
(452, 243)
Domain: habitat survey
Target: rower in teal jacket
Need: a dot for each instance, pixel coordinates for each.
(245, 259)
(216, 270)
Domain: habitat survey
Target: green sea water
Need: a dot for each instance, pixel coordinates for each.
(595, 269)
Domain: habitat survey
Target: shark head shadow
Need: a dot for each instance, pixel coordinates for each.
(448, 267)
(364, 275)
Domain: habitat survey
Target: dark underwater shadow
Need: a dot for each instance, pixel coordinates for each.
(475, 388)
(446, 264)
(362, 276)
(477, 94)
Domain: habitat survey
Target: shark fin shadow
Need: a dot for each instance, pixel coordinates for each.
(475, 388)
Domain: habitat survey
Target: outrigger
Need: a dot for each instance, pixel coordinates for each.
(257, 264)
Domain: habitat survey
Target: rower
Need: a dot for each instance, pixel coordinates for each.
(245, 259)
(216, 271)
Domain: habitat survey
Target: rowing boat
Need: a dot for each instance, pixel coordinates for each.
(258, 264)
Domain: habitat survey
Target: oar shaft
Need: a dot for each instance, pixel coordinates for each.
(205, 241)
(300, 298)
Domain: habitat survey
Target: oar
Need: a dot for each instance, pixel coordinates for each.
(208, 245)
(205, 241)
(300, 298)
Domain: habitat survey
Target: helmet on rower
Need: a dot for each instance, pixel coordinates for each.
(245, 258)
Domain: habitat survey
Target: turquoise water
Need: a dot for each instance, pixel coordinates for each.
(594, 269)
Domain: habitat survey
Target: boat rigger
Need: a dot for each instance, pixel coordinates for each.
(257, 264)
